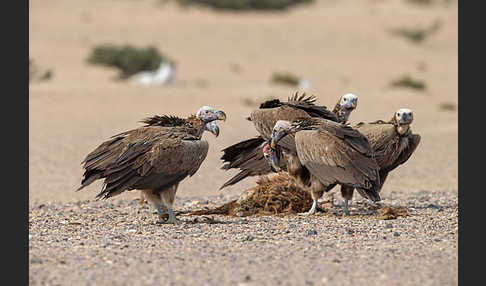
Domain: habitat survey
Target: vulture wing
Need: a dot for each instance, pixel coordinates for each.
(384, 140)
(413, 141)
(247, 155)
(145, 158)
(265, 119)
(338, 156)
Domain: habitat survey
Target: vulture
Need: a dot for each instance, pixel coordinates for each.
(393, 143)
(321, 153)
(153, 158)
(248, 155)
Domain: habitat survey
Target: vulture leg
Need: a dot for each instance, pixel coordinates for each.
(347, 193)
(142, 199)
(168, 197)
(155, 200)
(317, 190)
(313, 208)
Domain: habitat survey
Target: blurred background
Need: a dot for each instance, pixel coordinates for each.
(98, 67)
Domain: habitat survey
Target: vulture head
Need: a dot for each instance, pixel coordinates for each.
(345, 106)
(280, 129)
(402, 120)
(348, 101)
(272, 157)
(208, 116)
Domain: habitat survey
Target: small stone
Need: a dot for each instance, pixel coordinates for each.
(36, 261)
(311, 232)
(388, 225)
(396, 234)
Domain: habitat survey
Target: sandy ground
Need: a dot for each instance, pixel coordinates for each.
(226, 60)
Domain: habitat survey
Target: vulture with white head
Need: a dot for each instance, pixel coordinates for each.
(321, 153)
(153, 158)
(393, 143)
(248, 155)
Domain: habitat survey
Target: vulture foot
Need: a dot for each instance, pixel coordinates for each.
(312, 210)
(172, 219)
(346, 210)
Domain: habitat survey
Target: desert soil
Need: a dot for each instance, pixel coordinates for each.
(226, 60)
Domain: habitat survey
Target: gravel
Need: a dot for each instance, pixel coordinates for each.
(118, 242)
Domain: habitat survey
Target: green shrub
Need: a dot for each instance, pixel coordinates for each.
(408, 82)
(419, 34)
(285, 78)
(447, 106)
(37, 74)
(421, 2)
(129, 60)
(245, 4)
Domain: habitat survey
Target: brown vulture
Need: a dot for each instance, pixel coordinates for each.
(393, 143)
(321, 154)
(153, 158)
(248, 155)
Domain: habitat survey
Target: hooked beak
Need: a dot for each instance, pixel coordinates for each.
(213, 128)
(405, 119)
(350, 105)
(274, 138)
(272, 159)
(274, 163)
(220, 115)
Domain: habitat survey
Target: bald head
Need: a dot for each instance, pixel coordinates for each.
(349, 101)
(346, 104)
(404, 116)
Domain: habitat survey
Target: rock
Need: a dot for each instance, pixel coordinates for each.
(311, 232)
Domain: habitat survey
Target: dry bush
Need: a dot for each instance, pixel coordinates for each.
(272, 195)
(242, 5)
(285, 78)
(407, 81)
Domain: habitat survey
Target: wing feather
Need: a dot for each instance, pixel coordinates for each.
(333, 160)
(146, 158)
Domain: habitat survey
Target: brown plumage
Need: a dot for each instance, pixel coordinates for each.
(321, 153)
(393, 143)
(247, 155)
(153, 158)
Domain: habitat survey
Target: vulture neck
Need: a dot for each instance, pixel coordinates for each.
(403, 129)
(195, 126)
(341, 113)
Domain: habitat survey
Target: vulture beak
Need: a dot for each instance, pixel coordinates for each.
(212, 127)
(350, 105)
(273, 144)
(208, 114)
(274, 163)
(274, 138)
(220, 115)
(272, 158)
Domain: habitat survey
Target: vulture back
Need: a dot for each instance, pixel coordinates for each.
(384, 140)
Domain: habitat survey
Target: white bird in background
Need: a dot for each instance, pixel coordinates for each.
(163, 75)
(304, 84)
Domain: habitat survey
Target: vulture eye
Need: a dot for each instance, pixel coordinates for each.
(410, 113)
(345, 99)
(398, 113)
